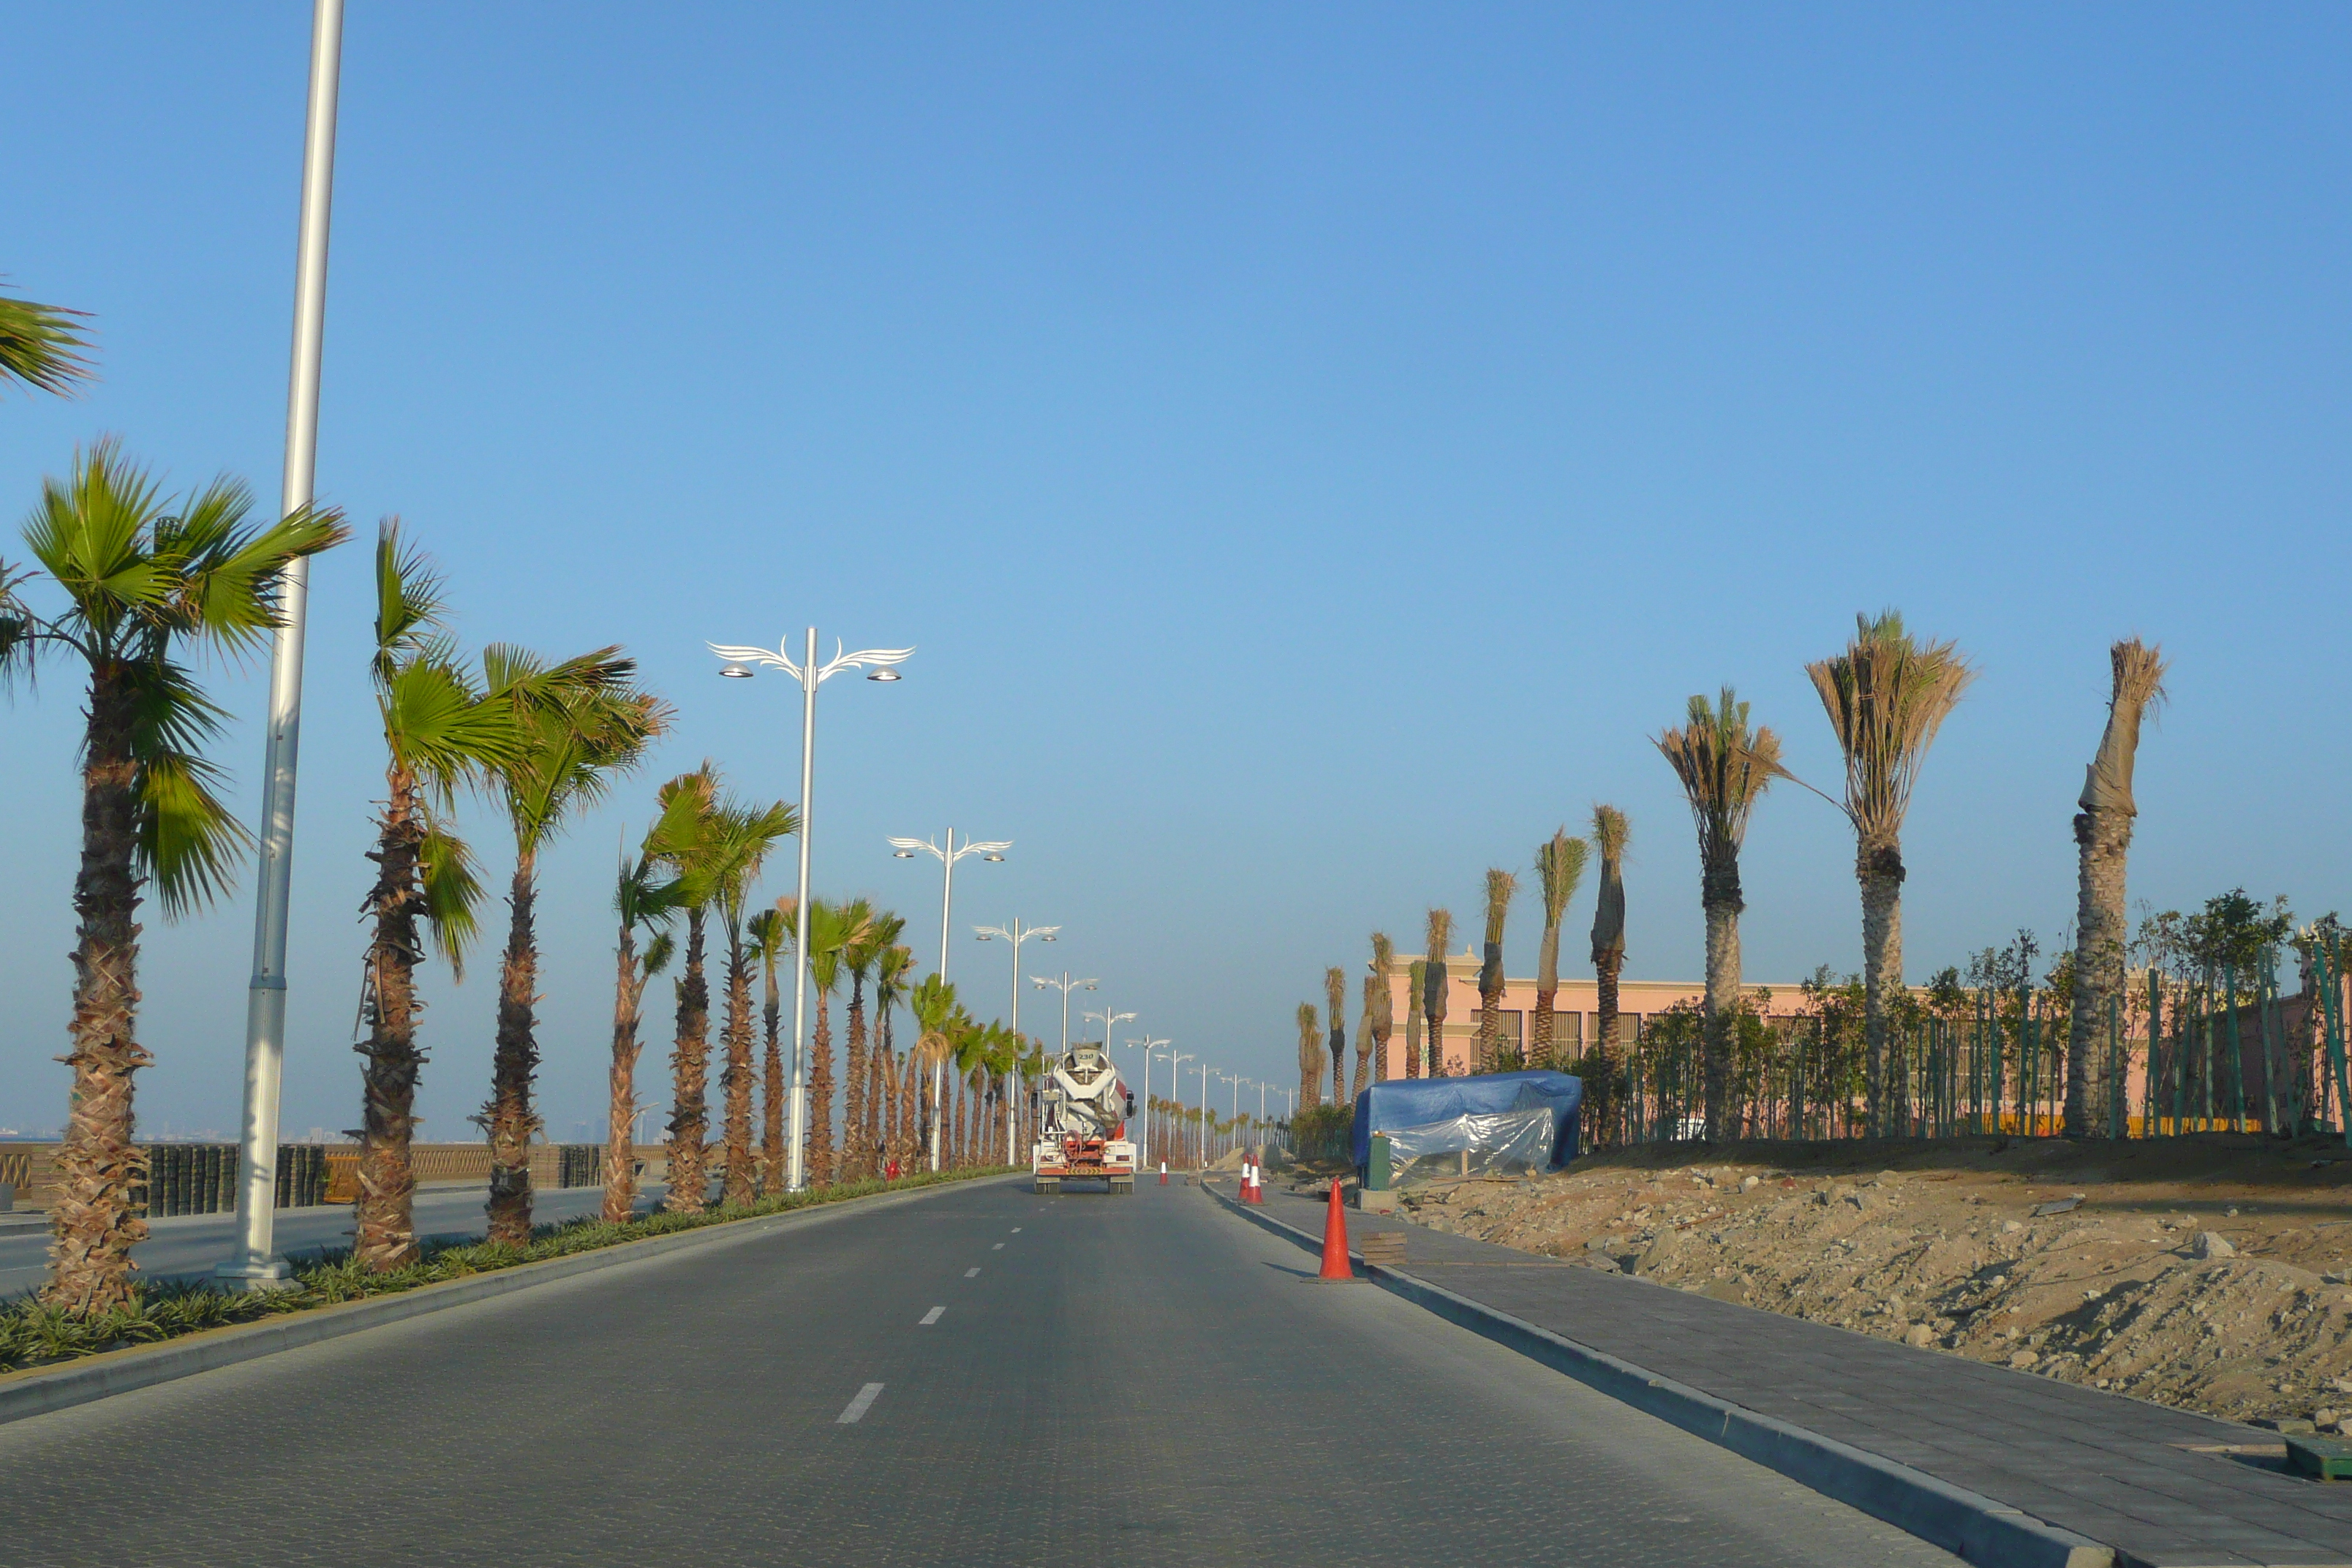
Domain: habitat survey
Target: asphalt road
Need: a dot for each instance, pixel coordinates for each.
(978, 1375)
(195, 1244)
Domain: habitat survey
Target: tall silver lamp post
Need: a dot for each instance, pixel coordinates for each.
(255, 1264)
(1064, 985)
(1147, 1046)
(810, 674)
(906, 850)
(1014, 933)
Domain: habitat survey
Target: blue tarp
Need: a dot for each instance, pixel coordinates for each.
(1401, 1103)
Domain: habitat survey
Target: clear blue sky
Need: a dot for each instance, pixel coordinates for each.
(1313, 449)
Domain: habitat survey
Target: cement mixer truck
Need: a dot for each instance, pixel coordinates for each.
(1082, 1126)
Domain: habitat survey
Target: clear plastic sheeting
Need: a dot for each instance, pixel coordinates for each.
(1511, 1144)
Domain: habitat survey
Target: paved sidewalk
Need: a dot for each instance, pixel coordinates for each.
(2112, 1468)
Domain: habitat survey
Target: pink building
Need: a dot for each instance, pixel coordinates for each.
(1576, 1009)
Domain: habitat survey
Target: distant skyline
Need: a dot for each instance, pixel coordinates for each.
(1311, 451)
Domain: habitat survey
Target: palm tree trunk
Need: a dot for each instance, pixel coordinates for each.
(820, 1097)
(508, 1118)
(1881, 873)
(690, 1117)
(885, 1062)
(2105, 838)
(621, 1120)
(853, 1124)
(736, 1081)
(1601, 1083)
(1412, 1042)
(1722, 1003)
(772, 1120)
(1433, 1009)
(384, 1217)
(1540, 1028)
(98, 1163)
(909, 1111)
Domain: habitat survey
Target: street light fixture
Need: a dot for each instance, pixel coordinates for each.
(905, 849)
(1064, 985)
(1109, 1020)
(738, 666)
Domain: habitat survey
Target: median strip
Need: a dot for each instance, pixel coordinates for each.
(930, 1317)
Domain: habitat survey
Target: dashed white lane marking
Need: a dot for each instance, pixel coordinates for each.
(930, 1317)
(998, 1248)
(1016, 1230)
(858, 1407)
(971, 1273)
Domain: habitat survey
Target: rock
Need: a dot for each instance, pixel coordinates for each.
(1921, 1335)
(2022, 1360)
(1749, 1184)
(2212, 1243)
(1858, 1198)
(2326, 1417)
(2285, 1426)
(2009, 1226)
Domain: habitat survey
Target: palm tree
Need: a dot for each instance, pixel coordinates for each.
(831, 928)
(1383, 1019)
(144, 578)
(1374, 989)
(1310, 1059)
(1415, 979)
(890, 970)
(1724, 768)
(1335, 995)
(37, 344)
(441, 729)
(743, 836)
(875, 933)
(584, 724)
(1610, 832)
(1501, 886)
(770, 931)
(688, 843)
(1559, 865)
(640, 899)
(2103, 832)
(1886, 694)
(1438, 937)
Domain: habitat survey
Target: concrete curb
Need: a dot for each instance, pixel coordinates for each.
(1974, 1527)
(40, 1390)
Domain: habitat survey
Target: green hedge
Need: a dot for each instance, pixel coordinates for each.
(1325, 1134)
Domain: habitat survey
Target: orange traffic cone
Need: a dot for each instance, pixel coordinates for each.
(1163, 1173)
(1335, 1242)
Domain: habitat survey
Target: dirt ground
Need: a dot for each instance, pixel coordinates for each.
(2213, 1273)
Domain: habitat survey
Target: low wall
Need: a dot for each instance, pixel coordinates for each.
(31, 1169)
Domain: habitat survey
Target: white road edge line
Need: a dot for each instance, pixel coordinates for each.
(971, 1273)
(930, 1317)
(998, 1248)
(1016, 1230)
(859, 1406)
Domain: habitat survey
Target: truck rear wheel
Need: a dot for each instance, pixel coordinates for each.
(1047, 1187)
(1122, 1186)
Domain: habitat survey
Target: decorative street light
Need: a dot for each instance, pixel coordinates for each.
(1174, 1128)
(1143, 1155)
(1205, 1070)
(1109, 1020)
(810, 674)
(254, 1264)
(1064, 985)
(905, 849)
(1015, 933)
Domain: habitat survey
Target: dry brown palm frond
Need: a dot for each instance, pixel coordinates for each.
(2138, 669)
(1384, 955)
(1559, 865)
(1311, 1047)
(1611, 831)
(1724, 768)
(1501, 887)
(1335, 993)
(1886, 696)
(1439, 935)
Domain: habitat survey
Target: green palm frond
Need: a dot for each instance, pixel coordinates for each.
(411, 603)
(227, 577)
(1886, 696)
(584, 725)
(452, 885)
(659, 951)
(771, 935)
(1559, 865)
(890, 974)
(441, 727)
(91, 531)
(39, 346)
(190, 840)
